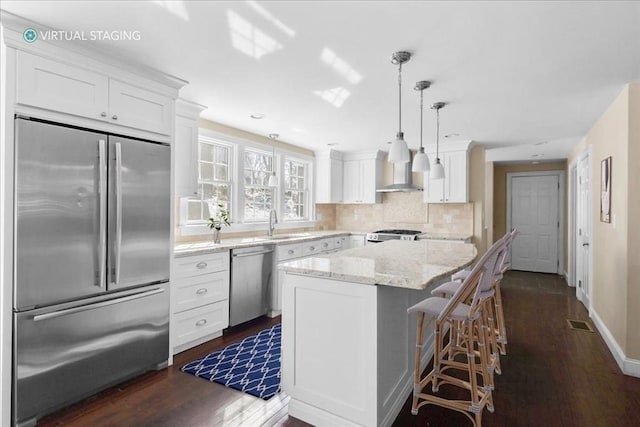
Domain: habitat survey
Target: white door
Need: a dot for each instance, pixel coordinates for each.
(535, 213)
(583, 231)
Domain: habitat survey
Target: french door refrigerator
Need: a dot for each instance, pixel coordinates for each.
(92, 253)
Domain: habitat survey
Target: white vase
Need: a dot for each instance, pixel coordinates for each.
(216, 235)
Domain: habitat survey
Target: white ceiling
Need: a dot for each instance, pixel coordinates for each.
(513, 73)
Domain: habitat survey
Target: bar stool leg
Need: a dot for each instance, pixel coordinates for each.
(502, 329)
(418, 358)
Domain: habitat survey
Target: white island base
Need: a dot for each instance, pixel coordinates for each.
(348, 350)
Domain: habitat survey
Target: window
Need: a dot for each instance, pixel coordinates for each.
(296, 198)
(258, 196)
(214, 179)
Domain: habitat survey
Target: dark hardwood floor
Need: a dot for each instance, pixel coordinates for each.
(552, 376)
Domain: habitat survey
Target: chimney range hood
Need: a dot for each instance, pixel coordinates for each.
(401, 180)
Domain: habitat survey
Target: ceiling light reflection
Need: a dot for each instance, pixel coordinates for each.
(335, 96)
(268, 16)
(340, 66)
(248, 39)
(176, 7)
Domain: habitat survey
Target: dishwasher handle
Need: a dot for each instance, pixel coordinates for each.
(245, 254)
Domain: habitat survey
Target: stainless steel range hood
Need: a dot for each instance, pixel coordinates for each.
(401, 180)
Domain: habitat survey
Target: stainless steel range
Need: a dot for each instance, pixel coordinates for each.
(384, 235)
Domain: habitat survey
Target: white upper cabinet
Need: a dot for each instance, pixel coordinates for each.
(454, 188)
(329, 177)
(49, 84)
(362, 177)
(186, 147)
(63, 88)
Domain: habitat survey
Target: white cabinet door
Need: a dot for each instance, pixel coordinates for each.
(352, 182)
(139, 108)
(368, 181)
(456, 177)
(356, 240)
(454, 188)
(59, 87)
(329, 180)
(185, 146)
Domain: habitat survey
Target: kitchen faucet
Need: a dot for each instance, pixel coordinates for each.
(273, 220)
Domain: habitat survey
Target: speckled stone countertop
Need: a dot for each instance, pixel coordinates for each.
(208, 247)
(405, 264)
(445, 236)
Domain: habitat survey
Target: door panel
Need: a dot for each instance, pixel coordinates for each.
(139, 217)
(534, 212)
(57, 206)
(583, 239)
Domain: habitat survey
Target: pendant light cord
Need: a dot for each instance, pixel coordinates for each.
(400, 98)
(437, 133)
(421, 110)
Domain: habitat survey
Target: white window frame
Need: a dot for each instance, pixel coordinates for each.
(237, 195)
(276, 193)
(307, 188)
(230, 179)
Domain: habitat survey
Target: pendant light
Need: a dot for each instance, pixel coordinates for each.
(273, 180)
(437, 171)
(399, 152)
(421, 160)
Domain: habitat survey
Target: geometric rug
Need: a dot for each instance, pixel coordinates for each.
(252, 365)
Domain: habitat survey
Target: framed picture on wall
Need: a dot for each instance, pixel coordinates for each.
(605, 190)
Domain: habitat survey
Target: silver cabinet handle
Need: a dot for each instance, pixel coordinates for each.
(201, 322)
(114, 117)
(290, 251)
(202, 291)
(312, 248)
(325, 245)
(114, 301)
(118, 243)
(103, 114)
(585, 244)
(102, 254)
(201, 265)
(242, 255)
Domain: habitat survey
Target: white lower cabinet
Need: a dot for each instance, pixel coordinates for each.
(200, 299)
(356, 240)
(297, 251)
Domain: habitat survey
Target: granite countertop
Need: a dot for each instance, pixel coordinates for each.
(445, 236)
(208, 247)
(406, 264)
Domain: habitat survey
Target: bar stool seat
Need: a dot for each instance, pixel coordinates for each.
(433, 307)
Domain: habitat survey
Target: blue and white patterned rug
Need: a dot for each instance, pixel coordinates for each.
(252, 365)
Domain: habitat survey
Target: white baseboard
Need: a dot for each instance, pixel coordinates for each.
(627, 365)
(316, 416)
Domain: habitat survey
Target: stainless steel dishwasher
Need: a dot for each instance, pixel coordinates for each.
(251, 281)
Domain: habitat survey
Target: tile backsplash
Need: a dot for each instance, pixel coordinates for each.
(399, 210)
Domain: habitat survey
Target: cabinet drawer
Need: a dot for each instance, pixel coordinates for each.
(326, 245)
(200, 264)
(200, 290)
(338, 242)
(199, 322)
(286, 252)
(311, 248)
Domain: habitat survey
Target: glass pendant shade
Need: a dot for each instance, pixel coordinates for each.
(399, 152)
(437, 171)
(420, 162)
(273, 181)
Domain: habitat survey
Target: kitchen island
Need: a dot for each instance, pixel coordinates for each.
(347, 341)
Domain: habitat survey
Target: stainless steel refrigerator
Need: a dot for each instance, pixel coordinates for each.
(92, 253)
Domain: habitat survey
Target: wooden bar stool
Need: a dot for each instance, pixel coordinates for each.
(463, 312)
(497, 313)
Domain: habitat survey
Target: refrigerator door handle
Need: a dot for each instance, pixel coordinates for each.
(102, 245)
(107, 303)
(118, 242)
